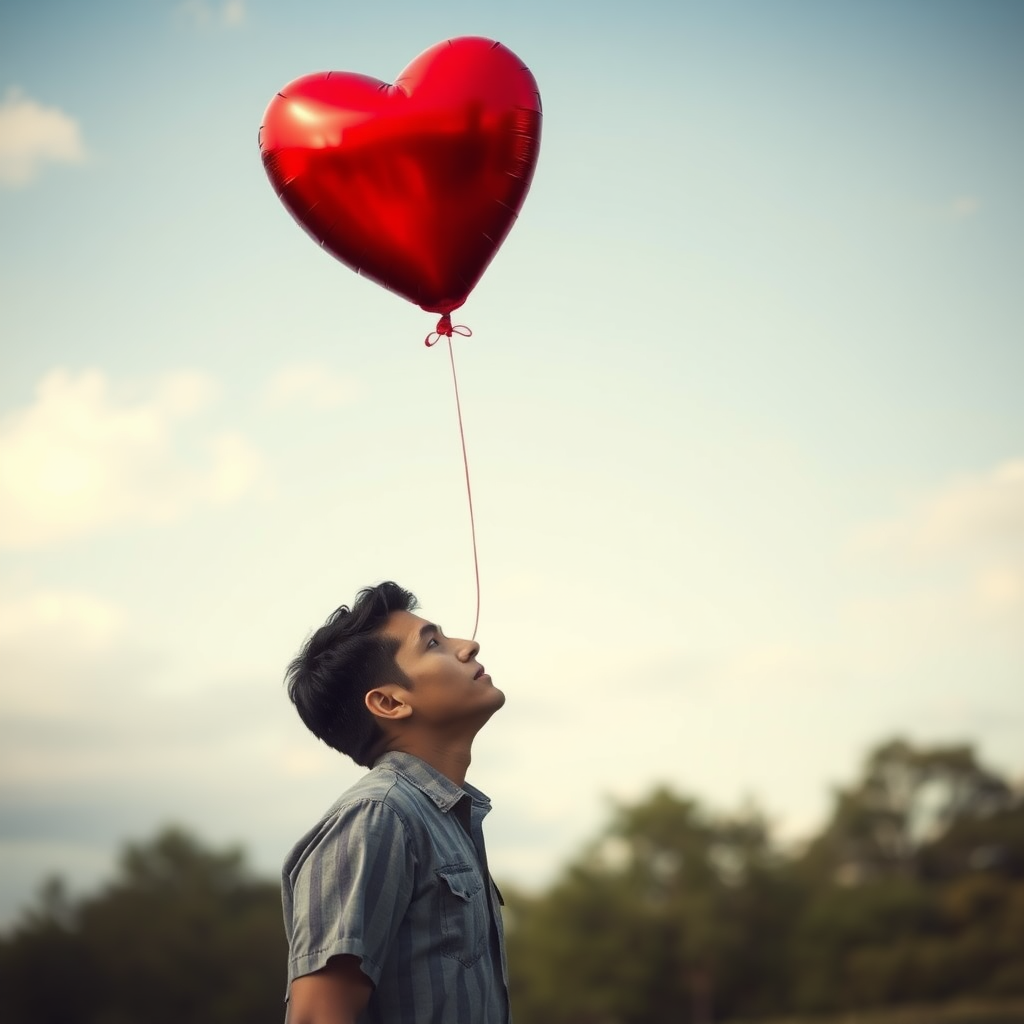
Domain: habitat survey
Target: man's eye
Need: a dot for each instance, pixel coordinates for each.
(432, 642)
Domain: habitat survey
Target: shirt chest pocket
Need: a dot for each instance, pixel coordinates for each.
(465, 918)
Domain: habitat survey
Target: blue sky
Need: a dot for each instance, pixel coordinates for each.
(743, 407)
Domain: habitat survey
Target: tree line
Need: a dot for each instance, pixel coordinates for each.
(913, 892)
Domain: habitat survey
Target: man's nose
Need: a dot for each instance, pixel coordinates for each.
(468, 649)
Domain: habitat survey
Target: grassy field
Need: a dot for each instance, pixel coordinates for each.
(958, 1013)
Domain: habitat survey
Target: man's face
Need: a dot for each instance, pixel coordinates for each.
(448, 686)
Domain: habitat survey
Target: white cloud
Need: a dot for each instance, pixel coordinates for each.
(233, 12)
(31, 135)
(311, 385)
(51, 642)
(775, 668)
(203, 13)
(79, 619)
(969, 515)
(83, 692)
(85, 456)
(999, 587)
(955, 565)
(236, 467)
(963, 207)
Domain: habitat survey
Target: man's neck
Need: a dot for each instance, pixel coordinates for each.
(451, 760)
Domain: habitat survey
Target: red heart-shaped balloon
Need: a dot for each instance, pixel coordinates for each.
(414, 185)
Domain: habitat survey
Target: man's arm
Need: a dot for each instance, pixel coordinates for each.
(336, 994)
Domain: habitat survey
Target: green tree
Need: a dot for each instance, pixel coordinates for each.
(660, 921)
(46, 972)
(183, 933)
(912, 890)
(906, 796)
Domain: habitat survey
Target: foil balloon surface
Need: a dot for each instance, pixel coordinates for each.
(414, 185)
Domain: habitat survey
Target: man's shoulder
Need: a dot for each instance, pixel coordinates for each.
(385, 784)
(381, 787)
(403, 782)
(378, 801)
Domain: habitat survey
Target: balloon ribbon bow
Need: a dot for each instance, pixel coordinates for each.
(444, 329)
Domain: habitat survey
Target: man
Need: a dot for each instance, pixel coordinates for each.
(390, 911)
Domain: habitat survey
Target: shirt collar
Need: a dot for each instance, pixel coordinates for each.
(430, 781)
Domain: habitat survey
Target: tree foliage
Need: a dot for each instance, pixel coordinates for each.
(664, 916)
(182, 934)
(911, 893)
(905, 799)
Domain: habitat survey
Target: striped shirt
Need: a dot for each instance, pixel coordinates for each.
(396, 874)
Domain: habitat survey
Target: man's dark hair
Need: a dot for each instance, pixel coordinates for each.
(340, 663)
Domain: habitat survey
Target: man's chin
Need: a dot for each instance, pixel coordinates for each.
(497, 699)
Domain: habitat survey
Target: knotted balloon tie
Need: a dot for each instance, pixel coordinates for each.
(444, 329)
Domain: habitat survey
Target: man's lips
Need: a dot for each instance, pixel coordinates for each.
(479, 672)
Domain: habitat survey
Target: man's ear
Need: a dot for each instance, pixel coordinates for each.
(386, 702)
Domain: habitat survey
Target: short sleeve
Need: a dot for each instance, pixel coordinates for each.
(351, 890)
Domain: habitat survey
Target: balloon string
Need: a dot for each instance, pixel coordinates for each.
(469, 489)
(445, 329)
